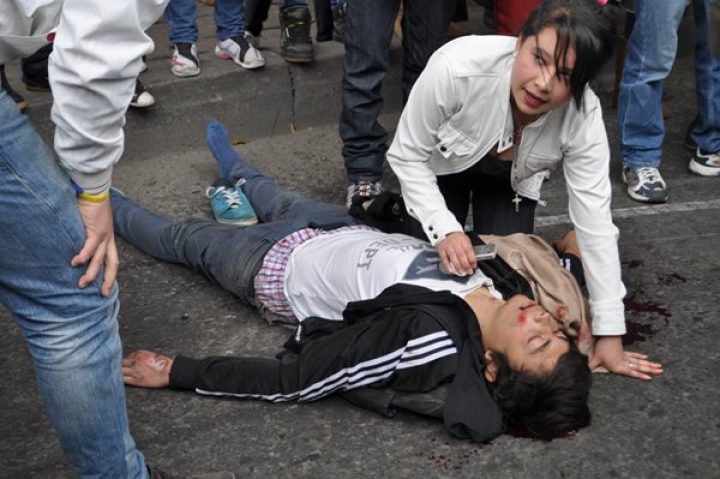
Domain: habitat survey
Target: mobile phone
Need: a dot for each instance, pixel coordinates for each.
(485, 251)
(482, 252)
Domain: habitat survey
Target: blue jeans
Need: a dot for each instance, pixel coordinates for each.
(72, 333)
(650, 55)
(181, 15)
(368, 32)
(228, 255)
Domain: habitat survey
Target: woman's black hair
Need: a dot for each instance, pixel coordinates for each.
(546, 406)
(584, 25)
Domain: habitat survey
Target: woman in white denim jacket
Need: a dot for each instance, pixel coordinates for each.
(491, 116)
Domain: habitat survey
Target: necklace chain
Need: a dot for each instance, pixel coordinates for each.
(519, 127)
(517, 138)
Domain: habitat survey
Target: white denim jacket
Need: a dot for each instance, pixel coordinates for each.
(96, 59)
(459, 109)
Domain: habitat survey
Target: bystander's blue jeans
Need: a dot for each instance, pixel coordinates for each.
(72, 333)
(650, 56)
(181, 15)
(368, 32)
(228, 255)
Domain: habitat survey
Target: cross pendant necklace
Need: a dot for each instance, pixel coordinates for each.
(517, 139)
(517, 201)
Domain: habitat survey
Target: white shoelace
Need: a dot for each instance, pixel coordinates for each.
(232, 197)
(649, 175)
(231, 194)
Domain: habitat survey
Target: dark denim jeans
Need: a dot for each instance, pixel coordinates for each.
(230, 256)
(486, 185)
(368, 32)
(257, 12)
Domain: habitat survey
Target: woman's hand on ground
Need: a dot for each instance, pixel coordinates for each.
(456, 254)
(146, 369)
(610, 354)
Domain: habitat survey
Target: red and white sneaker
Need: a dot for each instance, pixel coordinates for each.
(185, 61)
(240, 51)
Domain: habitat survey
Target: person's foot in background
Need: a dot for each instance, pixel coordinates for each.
(295, 42)
(141, 98)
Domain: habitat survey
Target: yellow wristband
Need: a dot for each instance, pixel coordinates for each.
(95, 198)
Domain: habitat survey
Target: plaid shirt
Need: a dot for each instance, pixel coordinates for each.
(270, 280)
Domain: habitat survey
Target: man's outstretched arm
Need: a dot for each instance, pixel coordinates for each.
(254, 378)
(355, 356)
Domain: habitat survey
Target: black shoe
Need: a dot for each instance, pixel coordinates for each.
(141, 98)
(156, 473)
(22, 103)
(295, 42)
(339, 23)
(35, 69)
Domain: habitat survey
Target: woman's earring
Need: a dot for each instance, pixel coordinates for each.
(515, 52)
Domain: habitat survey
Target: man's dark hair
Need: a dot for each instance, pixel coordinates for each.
(546, 406)
(584, 25)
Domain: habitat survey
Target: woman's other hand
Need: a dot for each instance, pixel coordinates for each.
(610, 354)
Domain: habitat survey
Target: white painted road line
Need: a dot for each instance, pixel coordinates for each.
(647, 210)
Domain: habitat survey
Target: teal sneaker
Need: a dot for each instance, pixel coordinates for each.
(229, 204)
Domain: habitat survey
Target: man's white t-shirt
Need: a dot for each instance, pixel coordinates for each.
(326, 272)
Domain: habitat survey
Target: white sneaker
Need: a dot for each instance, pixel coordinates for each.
(185, 61)
(705, 164)
(141, 98)
(239, 50)
(645, 184)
